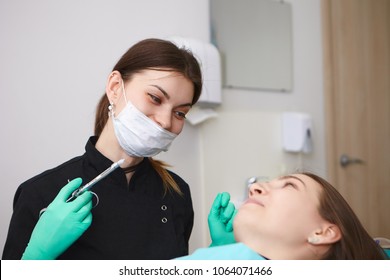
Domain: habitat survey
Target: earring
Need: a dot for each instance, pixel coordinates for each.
(111, 109)
(313, 240)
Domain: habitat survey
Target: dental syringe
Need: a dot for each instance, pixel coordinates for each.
(102, 175)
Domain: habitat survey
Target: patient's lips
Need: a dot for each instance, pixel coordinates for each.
(253, 201)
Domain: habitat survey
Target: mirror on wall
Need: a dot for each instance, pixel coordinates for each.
(254, 38)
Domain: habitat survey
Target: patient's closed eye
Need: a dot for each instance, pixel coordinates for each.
(289, 184)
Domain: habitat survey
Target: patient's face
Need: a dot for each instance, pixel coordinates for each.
(284, 210)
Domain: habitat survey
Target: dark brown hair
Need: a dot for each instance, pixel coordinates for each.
(154, 54)
(355, 243)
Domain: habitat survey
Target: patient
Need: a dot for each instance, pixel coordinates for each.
(298, 216)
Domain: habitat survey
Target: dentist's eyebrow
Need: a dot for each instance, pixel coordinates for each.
(162, 90)
(167, 96)
(293, 177)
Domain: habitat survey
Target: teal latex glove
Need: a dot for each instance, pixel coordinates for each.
(220, 220)
(60, 225)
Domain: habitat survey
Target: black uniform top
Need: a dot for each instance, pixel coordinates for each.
(131, 221)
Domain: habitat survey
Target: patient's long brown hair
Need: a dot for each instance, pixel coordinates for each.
(154, 54)
(356, 243)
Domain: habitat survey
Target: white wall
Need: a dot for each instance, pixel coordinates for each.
(55, 57)
(245, 140)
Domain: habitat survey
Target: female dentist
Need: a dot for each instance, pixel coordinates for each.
(145, 210)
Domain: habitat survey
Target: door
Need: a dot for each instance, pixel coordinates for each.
(357, 94)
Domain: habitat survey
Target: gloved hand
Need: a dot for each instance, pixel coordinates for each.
(60, 225)
(220, 220)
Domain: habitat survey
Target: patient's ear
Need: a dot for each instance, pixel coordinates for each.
(328, 234)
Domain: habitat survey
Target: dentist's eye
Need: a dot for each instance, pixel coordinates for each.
(180, 115)
(154, 98)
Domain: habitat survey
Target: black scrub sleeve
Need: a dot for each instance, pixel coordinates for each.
(26, 207)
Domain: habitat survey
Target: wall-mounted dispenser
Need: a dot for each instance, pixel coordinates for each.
(297, 132)
(210, 62)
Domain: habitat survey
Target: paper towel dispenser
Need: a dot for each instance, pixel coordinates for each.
(297, 132)
(210, 63)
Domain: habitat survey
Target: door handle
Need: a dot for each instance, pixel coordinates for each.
(346, 160)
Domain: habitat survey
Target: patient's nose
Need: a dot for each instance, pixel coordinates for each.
(256, 189)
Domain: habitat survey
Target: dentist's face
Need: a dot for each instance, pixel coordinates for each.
(281, 210)
(163, 96)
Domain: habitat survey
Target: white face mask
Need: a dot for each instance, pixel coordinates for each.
(137, 134)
